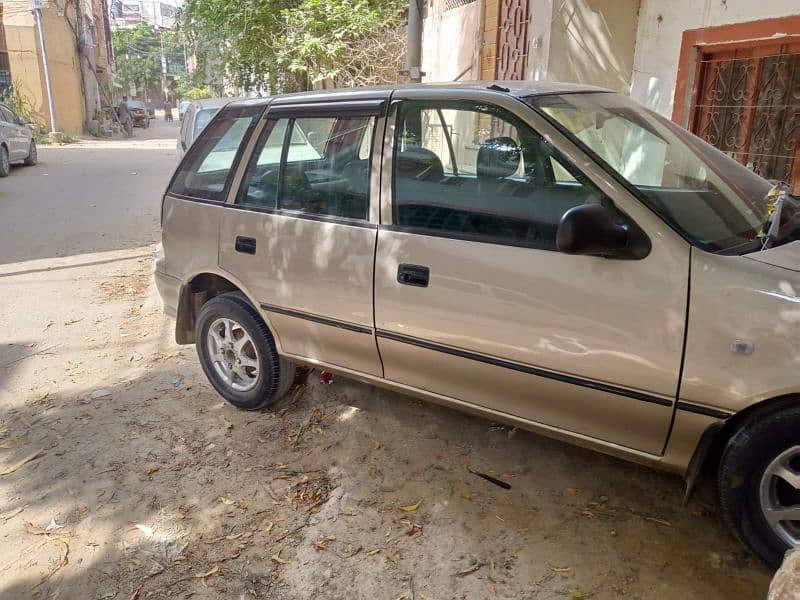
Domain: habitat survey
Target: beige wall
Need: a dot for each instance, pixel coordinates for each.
(24, 56)
(450, 43)
(590, 41)
(661, 30)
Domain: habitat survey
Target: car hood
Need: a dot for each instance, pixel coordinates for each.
(786, 256)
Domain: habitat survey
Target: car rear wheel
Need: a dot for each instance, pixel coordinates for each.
(759, 482)
(5, 164)
(32, 155)
(238, 354)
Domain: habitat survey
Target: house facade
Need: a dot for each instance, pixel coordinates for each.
(80, 59)
(728, 70)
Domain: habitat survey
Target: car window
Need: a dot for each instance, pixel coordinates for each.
(202, 118)
(324, 174)
(6, 115)
(260, 184)
(135, 104)
(476, 171)
(206, 169)
(325, 170)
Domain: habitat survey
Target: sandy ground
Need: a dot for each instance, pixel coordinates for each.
(141, 483)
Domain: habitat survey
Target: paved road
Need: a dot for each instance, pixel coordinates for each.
(87, 197)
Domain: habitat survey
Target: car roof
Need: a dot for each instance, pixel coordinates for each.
(212, 102)
(514, 88)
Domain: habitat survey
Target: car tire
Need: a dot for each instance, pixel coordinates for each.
(759, 474)
(33, 155)
(5, 163)
(238, 353)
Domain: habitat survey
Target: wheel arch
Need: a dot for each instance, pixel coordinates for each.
(198, 289)
(715, 438)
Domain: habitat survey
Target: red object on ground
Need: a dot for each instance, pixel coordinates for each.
(326, 378)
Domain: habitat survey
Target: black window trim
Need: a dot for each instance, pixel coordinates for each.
(271, 115)
(256, 118)
(435, 104)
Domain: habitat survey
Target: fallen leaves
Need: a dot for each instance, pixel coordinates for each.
(203, 576)
(468, 570)
(411, 507)
(277, 558)
(24, 461)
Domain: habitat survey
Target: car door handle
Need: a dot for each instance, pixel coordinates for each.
(415, 275)
(245, 245)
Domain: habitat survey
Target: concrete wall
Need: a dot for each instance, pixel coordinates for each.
(24, 56)
(591, 41)
(661, 27)
(450, 43)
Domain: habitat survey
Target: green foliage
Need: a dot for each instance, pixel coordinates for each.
(138, 55)
(189, 91)
(19, 102)
(284, 45)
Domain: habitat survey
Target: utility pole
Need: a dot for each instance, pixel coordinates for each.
(36, 7)
(414, 47)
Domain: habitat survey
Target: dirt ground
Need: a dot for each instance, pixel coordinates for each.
(124, 476)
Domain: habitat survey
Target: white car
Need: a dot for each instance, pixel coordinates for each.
(195, 117)
(16, 141)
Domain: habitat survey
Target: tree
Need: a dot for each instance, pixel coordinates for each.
(138, 53)
(138, 56)
(286, 45)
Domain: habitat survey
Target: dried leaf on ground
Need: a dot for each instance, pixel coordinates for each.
(663, 522)
(411, 507)
(209, 573)
(226, 501)
(277, 558)
(24, 461)
(468, 570)
(225, 423)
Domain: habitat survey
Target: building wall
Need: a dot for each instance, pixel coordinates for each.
(591, 41)
(659, 34)
(24, 56)
(450, 42)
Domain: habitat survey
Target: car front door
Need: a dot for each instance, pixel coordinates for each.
(301, 231)
(12, 134)
(473, 301)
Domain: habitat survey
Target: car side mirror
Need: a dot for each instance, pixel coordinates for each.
(596, 230)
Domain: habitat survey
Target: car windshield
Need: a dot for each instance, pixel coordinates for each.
(202, 119)
(712, 200)
(135, 104)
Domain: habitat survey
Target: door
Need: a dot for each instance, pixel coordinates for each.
(474, 302)
(12, 135)
(300, 234)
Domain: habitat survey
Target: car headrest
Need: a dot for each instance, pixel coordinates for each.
(498, 158)
(419, 163)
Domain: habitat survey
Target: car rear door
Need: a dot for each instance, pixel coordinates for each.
(301, 231)
(474, 302)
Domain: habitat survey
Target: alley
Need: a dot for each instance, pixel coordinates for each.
(124, 476)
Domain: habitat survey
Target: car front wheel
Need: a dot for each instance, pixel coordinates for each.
(5, 163)
(32, 155)
(759, 482)
(238, 354)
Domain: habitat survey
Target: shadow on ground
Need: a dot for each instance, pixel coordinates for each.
(155, 488)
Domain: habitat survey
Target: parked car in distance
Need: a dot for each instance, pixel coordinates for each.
(197, 115)
(182, 109)
(151, 109)
(139, 113)
(16, 141)
(552, 256)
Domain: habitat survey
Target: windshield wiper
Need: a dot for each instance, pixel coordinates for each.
(776, 197)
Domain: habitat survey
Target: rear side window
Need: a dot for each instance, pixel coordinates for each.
(312, 165)
(207, 169)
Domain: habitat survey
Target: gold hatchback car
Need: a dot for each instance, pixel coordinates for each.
(551, 256)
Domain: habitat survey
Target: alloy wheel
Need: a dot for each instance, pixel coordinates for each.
(233, 354)
(779, 495)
